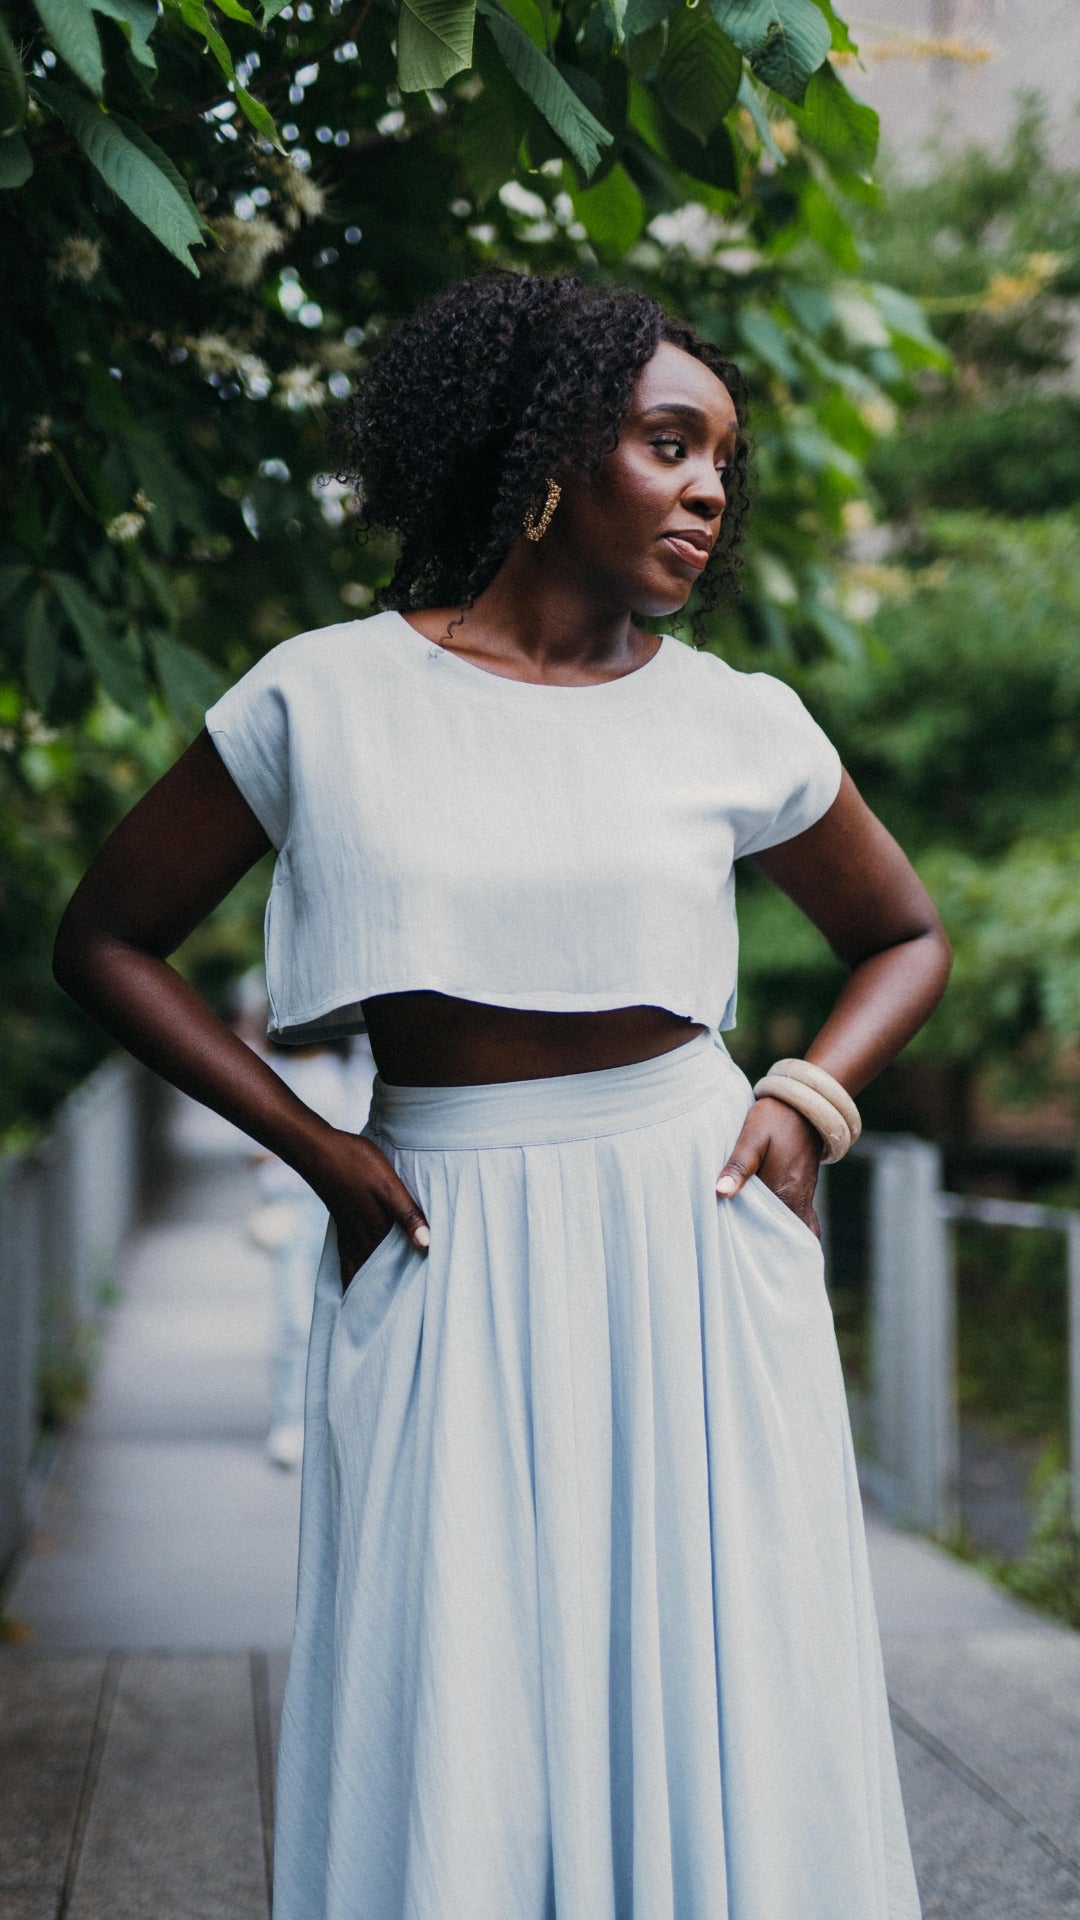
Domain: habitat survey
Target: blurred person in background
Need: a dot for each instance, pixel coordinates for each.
(334, 1080)
(290, 1225)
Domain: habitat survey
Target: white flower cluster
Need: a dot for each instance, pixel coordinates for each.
(124, 527)
(306, 195)
(216, 353)
(76, 258)
(300, 387)
(247, 246)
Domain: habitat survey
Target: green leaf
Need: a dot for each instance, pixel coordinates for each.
(530, 19)
(12, 577)
(160, 159)
(645, 51)
(842, 128)
(85, 616)
(434, 41)
(842, 41)
(135, 176)
(699, 75)
(70, 26)
(194, 15)
(785, 41)
(765, 337)
(618, 20)
(259, 117)
(188, 682)
(41, 649)
(904, 316)
(492, 127)
(16, 161)
(755, 107)
(838, 634)
(157, 586)
(713, 164)
(613, 212)
(12, 85)
(116, 661)
(271, 9)
(137, 20)
(540, 80)
(642, 15)
(234, 11)
(826, 224)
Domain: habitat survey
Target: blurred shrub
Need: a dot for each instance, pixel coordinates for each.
(1021, 458)
(960, 724)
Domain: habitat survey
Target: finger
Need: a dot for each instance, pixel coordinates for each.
(745, 1158)
(408, 1214)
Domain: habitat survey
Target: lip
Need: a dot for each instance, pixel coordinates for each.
(693, 548)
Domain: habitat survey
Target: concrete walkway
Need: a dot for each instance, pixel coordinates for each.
(138, 1722)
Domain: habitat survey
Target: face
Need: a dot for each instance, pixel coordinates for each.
(645, 524)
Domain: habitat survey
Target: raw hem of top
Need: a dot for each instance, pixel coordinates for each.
(340, 1018)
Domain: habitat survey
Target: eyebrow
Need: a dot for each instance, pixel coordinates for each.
(681, 407)
(685, 411)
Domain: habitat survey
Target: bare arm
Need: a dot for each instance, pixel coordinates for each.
(849, 876)
(171, 860)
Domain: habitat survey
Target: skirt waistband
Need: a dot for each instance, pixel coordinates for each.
(561, 1107)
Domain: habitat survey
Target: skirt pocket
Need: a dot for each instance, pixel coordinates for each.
(370, 1294)
(777, 1207)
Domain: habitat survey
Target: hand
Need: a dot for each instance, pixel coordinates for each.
(364, 1196)
(784, 1150)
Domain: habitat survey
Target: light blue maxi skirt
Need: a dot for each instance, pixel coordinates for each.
(585, 1628)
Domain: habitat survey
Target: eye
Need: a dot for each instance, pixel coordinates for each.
(675, 440)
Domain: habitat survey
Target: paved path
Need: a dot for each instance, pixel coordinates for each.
(137, 1725)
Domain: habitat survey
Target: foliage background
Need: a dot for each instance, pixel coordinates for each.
(170, 354)
(180, 311)
(961, 719)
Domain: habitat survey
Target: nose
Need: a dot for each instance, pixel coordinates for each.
(704, 492)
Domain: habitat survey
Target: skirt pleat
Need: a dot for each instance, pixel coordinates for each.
(585, 1628)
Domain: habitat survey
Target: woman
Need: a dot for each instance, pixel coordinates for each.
(584, 1623)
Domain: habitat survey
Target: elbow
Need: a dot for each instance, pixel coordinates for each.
(65, 959)
(71, 953)
(941, 958)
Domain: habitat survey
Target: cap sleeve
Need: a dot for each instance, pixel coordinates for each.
(249, 726)
(798, 765)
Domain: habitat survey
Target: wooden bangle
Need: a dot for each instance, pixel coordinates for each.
(814, 1107)
(824, 1083)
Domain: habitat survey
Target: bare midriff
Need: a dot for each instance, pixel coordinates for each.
(428, 1039)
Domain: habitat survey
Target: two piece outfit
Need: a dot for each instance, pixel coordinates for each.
(585, 1628)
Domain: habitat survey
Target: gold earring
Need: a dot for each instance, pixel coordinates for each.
(536, 529)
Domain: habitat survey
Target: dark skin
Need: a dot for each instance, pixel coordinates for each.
(560, 611)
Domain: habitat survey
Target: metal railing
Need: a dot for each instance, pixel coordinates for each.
(67, 1206)
(913, 1463)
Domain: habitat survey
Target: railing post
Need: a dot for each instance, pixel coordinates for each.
(20, 1262)
(1072, 1241)
(913, 1337)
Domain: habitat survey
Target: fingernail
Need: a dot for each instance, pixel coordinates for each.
(726, 1183)
(421, 1236)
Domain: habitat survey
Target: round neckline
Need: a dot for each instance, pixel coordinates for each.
(634, 684)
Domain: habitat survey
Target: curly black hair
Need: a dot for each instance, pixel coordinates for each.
(490, 387)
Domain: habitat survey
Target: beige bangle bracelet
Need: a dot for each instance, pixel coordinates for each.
(814, 1107)
(825, 1083)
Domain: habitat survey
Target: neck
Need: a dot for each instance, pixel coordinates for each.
(535, 612)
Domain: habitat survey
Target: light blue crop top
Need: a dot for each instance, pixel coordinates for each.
(441, 826)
